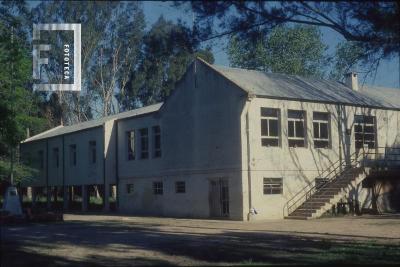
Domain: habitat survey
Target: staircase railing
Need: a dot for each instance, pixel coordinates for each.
(339, 168)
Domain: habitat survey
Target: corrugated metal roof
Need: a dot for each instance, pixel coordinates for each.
(60, 130)
(311, 89)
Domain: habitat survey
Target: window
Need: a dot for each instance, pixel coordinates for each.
(180, 187)
(321, 129)
(129, 188)
(157, 141)
(72, 155)
(273, 186)
(364, 131)
(92, 152)
(296, 130)
(131, 145)
(41, 159)
(56, 157)
(269, 127)
(158, 188)
(144, 143)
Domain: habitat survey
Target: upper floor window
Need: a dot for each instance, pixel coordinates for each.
(158, 188)
(296, 129)
(41, 159)
(321, 129)
(269, 127)
(364, 131)
(56, 157)
(144, 143)
(156, 141)
(72, 155)
(131, 145)
(273, 186)
(92, 152)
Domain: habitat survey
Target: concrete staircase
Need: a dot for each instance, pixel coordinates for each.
(329, 194)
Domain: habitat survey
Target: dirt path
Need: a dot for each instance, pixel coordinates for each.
(106, 240)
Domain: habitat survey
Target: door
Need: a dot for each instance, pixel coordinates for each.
(219, 198)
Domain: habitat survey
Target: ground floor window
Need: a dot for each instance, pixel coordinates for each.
(180, 187)
(158, 188)
(273, 186)
(129, 188)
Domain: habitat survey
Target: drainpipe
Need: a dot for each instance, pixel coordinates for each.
(248, 155)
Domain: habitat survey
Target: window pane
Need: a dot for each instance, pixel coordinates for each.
(273, 127)
(358, 119)
(324, 130)
(321, 144)
(296, 143)
(358, 128)
(369, 129)
(321, 116)
(316, 130)
(369, 119)
(269, 112)
(180, 187)
(295, 114)
(269, 142)
(291, 128)
(299, 129)
(264, 127)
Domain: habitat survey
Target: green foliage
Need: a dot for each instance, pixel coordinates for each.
(294, 50)
(21, 171)
(168, 49)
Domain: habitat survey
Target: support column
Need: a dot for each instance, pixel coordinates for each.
(29, 193)
(66, 197)
(48, 197)
(34, 195)
(106, 199)
(85, 197)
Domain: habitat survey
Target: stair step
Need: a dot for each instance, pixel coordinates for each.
(297, 217)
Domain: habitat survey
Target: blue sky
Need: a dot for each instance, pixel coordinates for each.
(388, 74)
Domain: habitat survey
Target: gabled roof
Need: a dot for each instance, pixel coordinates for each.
(61, 130)
(291, 87)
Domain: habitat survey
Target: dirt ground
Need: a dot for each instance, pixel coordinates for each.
(111, 240)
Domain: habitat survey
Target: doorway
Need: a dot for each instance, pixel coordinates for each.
(219, 197)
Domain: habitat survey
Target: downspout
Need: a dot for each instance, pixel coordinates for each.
(116, 164)
(48, 197)
(63, 171)
(248, 156)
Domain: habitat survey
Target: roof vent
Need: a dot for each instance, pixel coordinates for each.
(351, 81)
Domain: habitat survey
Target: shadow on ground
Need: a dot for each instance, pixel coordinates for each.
(227, 246)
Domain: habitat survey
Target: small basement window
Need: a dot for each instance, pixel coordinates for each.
(158, 188)
(269, 127)
(273, 186)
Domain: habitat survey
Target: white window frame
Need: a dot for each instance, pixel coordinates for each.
(268, 119)
(272, 183)
(131, 155)
(294, 120)
(156, 134)
(319, 122)
(363, 125)
(158, 188)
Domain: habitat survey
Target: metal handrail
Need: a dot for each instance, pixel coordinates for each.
(354, 159)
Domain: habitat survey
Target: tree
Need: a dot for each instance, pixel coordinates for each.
(111, 40)
(168, 48)
(294, 50)
(18, 105)
(373, 25)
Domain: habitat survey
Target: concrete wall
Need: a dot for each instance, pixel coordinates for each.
(300, 166)
(200, 133)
